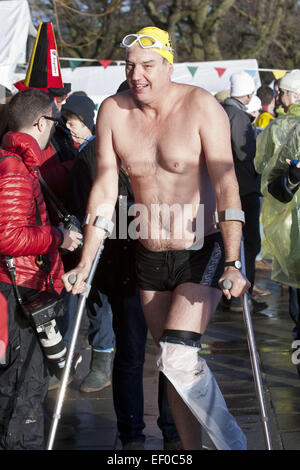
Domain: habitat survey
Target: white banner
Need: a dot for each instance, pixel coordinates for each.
(14, 26)
(99, 82)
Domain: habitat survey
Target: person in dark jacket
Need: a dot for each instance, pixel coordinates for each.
(243, 142)
(26, 233)
(79, 111)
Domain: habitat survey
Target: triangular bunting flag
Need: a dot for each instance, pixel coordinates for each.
(220, 71)
(251, 72)
(192, 70)
(279, 73)
(74, 64)
(105, 63)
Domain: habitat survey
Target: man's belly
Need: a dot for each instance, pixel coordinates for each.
(162, 227)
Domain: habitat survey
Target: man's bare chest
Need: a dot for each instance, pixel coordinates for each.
(170, 147)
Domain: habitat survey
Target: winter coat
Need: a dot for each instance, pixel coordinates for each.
(243, 142)
(21, 236)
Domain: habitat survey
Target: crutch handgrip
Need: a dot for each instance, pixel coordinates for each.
(227, 284)
(72, 278)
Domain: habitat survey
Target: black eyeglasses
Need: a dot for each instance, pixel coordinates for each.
(55, 120)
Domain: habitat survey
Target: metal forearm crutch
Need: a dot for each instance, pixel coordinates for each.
(227, 284)
(107, 225)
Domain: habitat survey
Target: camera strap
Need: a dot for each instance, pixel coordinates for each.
(43, 261)
(60, 210)
(9, 261)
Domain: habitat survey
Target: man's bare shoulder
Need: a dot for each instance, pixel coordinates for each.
(116, 103)
(119, 100)
(202, 103)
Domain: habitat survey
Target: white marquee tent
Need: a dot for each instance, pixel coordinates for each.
(15, 23)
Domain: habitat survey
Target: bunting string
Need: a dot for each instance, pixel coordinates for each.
(76, 62)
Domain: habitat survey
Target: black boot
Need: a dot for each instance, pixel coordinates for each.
(99, 376)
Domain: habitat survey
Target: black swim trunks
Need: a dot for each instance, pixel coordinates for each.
(165, 270)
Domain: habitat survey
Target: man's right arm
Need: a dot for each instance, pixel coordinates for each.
(103, 195)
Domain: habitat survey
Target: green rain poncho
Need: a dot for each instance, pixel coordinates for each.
(274, 135)
(281, 221)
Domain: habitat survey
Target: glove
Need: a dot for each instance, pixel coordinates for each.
(294, 174)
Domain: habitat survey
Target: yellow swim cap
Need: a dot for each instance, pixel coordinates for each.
(163, 37)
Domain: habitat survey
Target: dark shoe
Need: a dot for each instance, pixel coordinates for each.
(235, 305)
(99, 376)
(54, 382)
(175, 445)
(257, 306)
(259, 291)
(134, 445)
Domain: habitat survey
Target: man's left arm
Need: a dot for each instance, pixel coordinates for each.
(216, 144)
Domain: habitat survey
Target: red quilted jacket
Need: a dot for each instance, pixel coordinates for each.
(20, 236)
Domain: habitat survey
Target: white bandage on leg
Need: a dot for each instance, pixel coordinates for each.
(194, 382)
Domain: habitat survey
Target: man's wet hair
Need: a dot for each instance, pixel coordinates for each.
(26, 107)
(265, 93)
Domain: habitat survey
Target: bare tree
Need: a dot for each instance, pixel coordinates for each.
(200, 29)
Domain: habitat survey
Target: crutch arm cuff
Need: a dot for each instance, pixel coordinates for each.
(105, 224)
(227, 215)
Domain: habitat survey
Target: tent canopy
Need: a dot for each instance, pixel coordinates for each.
(15, 22)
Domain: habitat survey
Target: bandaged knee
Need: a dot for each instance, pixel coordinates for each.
(190, 376)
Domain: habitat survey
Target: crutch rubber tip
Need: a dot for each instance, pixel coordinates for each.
(72, 279)
(227, 284)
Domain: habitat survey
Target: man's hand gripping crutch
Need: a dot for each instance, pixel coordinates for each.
(82, 281)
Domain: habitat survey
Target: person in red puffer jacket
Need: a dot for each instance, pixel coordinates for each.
(25, 233)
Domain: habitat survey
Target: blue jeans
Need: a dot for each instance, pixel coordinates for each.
(100, 334)
(131, 334)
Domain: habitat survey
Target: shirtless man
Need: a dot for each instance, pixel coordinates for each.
(174, 142)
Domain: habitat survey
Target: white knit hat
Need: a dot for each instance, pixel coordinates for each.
(241, 84)
(254, 104)
(291, 81)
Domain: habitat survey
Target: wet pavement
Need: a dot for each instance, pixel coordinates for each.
(225, 348)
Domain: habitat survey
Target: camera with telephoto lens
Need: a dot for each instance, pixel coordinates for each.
(72, 223)
(41, 309)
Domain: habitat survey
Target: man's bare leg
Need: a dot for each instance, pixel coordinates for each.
(188, 308)
(196, 304)
(188, 427)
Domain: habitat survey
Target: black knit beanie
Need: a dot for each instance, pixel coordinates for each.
(83, 107)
